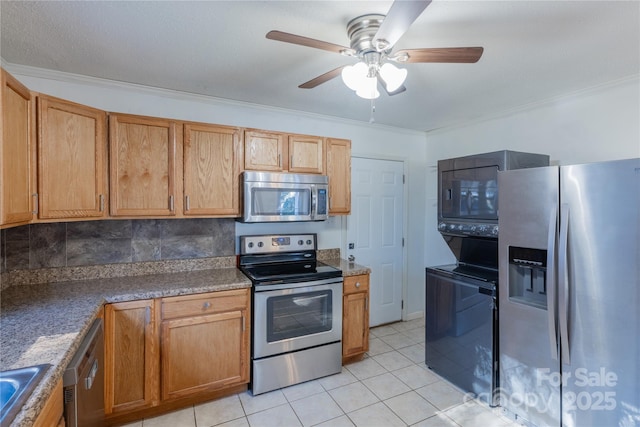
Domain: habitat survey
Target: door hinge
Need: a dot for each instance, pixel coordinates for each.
(403, 176)
(402, 305)
(403, 242)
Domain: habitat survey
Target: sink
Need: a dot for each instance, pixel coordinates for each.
(16, 386)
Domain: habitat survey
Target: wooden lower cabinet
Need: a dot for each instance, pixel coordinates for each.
(131, 356)
(355, 317)
(207, 348)
(168, 353)
(51, 414)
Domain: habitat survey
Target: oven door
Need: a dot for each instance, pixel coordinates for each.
(289, 317)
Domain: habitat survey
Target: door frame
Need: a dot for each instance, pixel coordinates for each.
(405, 218)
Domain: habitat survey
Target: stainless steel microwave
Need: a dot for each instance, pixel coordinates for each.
(280, 197)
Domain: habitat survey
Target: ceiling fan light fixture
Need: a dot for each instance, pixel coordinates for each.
(393, 76)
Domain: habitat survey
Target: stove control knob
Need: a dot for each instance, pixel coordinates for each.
(260, 244)
(250, 244)
(300, 242)
(308, 242)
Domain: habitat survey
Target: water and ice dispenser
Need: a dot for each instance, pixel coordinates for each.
(528, 276)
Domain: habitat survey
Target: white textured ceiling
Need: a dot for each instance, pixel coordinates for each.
(533, 51)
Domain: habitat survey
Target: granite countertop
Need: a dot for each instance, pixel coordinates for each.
(348, 268)
(45, 323)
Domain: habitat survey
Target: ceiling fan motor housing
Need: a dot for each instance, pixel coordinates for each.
(361, 32)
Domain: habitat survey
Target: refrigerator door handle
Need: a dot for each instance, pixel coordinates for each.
(551, 282)
(563, 284)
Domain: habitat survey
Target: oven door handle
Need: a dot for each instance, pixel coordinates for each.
(280, 286)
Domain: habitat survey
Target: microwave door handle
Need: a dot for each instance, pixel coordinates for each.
(314, 198)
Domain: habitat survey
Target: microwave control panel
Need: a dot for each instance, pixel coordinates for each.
(277, 243)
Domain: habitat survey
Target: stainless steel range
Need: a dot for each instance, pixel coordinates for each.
(297, 311)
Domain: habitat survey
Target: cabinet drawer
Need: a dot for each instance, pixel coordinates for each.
(198, 304)
(356, 284)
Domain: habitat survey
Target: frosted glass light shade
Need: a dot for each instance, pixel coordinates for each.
(352, 75)
(368, 88)
(393, 77)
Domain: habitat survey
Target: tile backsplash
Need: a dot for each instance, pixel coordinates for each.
(72, 244)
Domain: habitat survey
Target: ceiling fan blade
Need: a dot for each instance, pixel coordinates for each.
(444, 54)
(306, 41)
(398, 20)
(322, 78)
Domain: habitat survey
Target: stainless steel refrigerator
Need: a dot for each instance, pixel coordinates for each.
(569, 295)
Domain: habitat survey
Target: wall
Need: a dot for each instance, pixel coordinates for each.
(368, 140)
(598, 124)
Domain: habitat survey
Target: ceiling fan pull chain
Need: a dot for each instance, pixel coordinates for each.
(373, 110)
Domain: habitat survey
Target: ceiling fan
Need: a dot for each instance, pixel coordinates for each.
(372, 38)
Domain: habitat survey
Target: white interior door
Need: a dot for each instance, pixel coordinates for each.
(374, 232)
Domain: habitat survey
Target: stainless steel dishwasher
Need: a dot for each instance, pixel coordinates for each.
(83, 381)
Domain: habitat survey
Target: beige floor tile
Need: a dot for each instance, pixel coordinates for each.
(442, 395)
(252, 404)
(303, 390)
(342, 421)
(385, 386)
(377, 346)
(182, 418)
(240, 422)
(338, 380)
(411, 407)
(438, 420)
(381, 331)
(392, 360)
(316, 409)
(219, 411)
(417, 335)
(472, 414)
(353, 397)
(416, 376)
(398, 341)
(366, 368)
(377, 415)
(278, 416)
(415, 353)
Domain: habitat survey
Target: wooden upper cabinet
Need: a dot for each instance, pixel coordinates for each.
(339, 172)
(132, 358)
(16, 152)
(212, 163)
(72, 150)
(142, 166)
(264, 151)
(306, 154)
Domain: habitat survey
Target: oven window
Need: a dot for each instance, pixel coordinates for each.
(297, 315)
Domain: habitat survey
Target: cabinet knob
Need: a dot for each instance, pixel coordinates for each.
(206, 305)
(357, 284)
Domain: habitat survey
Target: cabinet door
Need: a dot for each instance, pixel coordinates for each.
(131, 356)
(204, 353)
(306, 154)
(212, 157)
(72, 144)
(142, 169)
(355, 329)
(339, 172)
(16, 152)
(263, 151)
